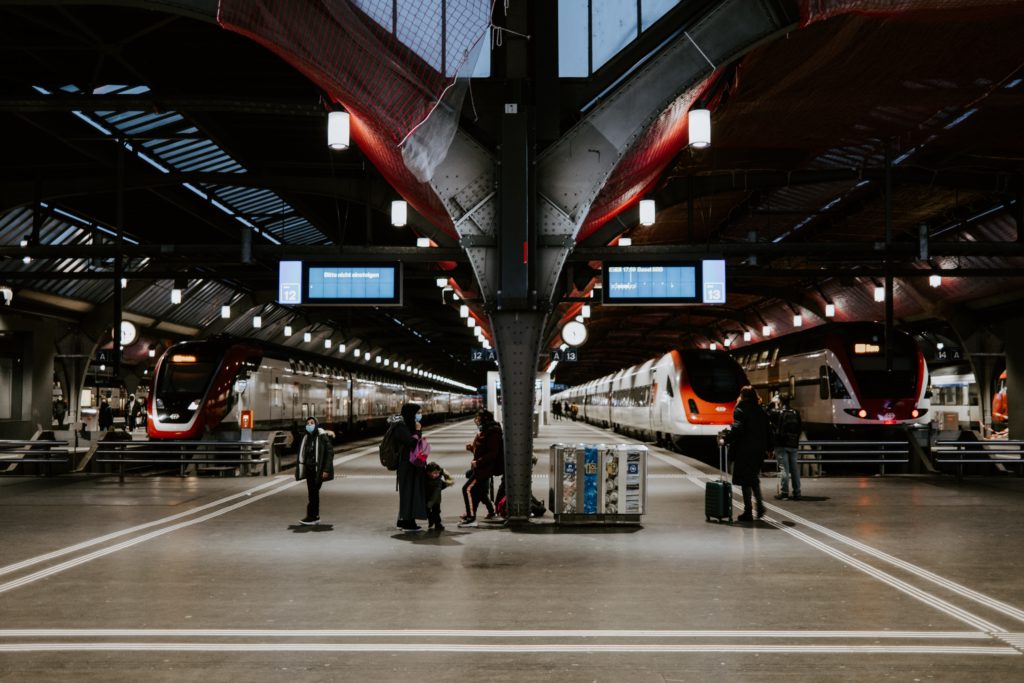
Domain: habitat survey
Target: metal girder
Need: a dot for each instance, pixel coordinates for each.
(848, 251)
(466, 183)
(156, 104)
(573, 171)
(204, 10)
(198, 253)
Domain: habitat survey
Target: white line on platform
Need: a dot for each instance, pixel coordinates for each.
(914, 592)
(508, 648)
(281, 483)
(482, 633)
(917, 593)
(959, 589)
(117, 534)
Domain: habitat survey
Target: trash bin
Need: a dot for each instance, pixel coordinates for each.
(598, 483)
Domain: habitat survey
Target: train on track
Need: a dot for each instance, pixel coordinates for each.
(201, 388)
(837, 376)
(678, 399)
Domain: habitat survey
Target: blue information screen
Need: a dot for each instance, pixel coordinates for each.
(665, 283)
(352, 284)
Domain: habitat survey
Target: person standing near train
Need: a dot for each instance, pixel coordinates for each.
(412, 500)
(315, 465)
(749, 441)
(787, 426)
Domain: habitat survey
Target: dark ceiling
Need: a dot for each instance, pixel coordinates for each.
(792, 191)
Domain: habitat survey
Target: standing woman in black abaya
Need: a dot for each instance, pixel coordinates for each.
(412, 502)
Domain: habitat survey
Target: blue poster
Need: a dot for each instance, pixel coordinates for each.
(590, 481)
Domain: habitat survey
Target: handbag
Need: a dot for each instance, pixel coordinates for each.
(419, 452)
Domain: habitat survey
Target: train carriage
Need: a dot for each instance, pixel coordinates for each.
(836, 375)
(673, 399)
(200, 388)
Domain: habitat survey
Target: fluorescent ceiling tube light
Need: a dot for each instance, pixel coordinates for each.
(225, 311)
(830, 310)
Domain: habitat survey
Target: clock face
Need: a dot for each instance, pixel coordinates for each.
(128, 333)
(574, 333)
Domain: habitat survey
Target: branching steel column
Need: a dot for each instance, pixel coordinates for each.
(518, 338)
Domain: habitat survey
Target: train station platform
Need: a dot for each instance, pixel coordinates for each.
(167, 579)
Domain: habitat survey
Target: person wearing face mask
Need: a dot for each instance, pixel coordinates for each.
(315, 465)
(488, 449)
(412, 500)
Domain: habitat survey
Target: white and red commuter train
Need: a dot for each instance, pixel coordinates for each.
(836, 376)
(671, 399)
(201, 388)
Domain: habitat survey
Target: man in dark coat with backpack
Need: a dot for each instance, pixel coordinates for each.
(787, 425)
(749, 441)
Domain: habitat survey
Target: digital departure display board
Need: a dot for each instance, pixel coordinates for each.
(701, 282)
(340, 284)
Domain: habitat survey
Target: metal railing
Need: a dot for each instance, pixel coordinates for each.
(869, 452)
(14, 452)
(228, 454)
(834, 452)
(978, 453)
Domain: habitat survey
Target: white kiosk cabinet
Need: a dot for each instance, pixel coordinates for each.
(598, 483)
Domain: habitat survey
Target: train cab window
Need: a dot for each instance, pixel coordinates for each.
(669, 391)
(823, 383)
(836, 386)
(187, 377)
(762, 360)
(775, 357)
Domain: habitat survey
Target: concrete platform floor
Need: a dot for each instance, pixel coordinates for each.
(213, 579)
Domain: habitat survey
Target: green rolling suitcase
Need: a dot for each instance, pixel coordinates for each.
(718, 494)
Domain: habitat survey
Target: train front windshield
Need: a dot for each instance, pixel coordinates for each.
(189, 375)
(872, 377)
(715, 377)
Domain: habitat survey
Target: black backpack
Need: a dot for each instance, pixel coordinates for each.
(788, 430)
(390, 448)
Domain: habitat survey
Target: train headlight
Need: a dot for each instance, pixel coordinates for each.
(862, 413)
(194, 405)
(915, 413)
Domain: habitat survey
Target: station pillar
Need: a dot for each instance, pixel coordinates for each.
(518, 337)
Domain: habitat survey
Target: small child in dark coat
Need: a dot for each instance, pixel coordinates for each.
(436, 481)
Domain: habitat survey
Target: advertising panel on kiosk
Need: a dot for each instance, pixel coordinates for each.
(340, 284)
(698, 282)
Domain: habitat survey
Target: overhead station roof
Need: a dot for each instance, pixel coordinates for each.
(218, 135)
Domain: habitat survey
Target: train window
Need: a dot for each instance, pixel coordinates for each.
(836, 385)
(186, 378)
(823, 383)
(305, 410)
(762, 360)
(669, 391)
(714, 378)
(775, 356)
